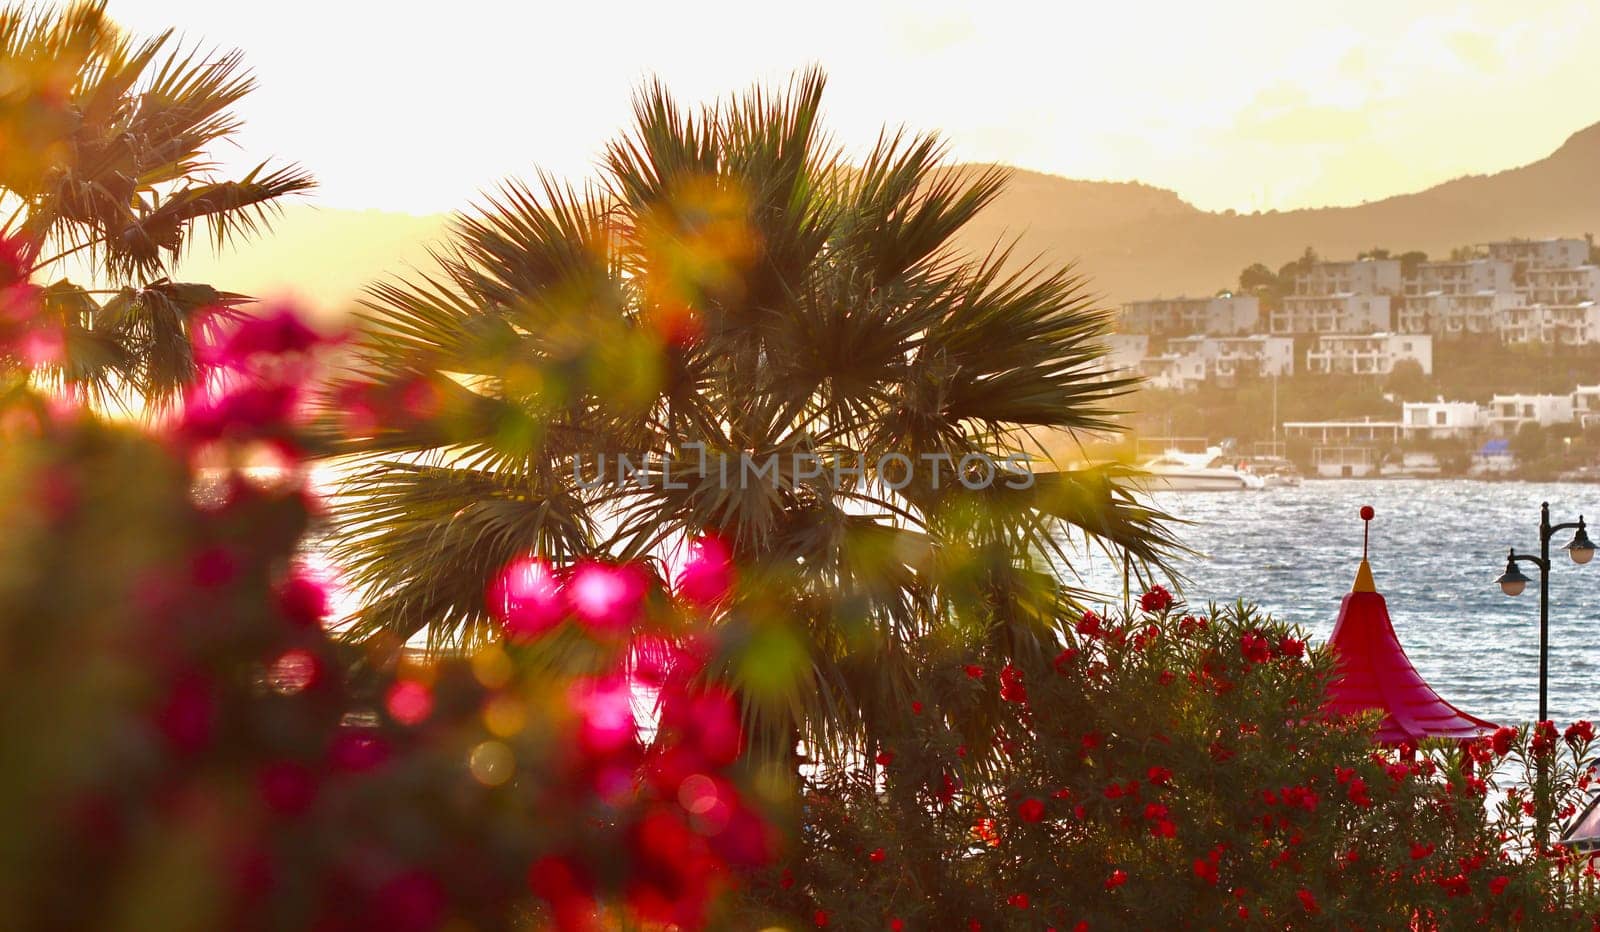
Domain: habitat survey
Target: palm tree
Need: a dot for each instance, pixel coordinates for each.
(104, 161)
(732, 287)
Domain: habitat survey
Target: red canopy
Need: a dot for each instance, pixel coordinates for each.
(1374, 673)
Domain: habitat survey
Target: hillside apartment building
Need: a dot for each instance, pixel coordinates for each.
(1364, 317)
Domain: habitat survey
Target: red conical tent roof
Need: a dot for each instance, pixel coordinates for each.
(1374, 673)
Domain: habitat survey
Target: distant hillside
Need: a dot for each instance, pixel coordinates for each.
(1137, 241)
(1133, 240)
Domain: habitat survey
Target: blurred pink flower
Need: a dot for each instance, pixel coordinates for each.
(709, 575)
(409, 702)
(606, 597)
(527, 599)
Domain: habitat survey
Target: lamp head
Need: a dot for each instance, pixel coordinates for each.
(1581, 550)
(1512, 582)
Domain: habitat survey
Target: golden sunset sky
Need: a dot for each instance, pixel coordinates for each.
(418, 106)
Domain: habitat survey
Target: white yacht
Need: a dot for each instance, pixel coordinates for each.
(1210, 471)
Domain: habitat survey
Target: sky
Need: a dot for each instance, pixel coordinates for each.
(418, 107)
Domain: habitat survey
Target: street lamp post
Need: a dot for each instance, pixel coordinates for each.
(1513, 582)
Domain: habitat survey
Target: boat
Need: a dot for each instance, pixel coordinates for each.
(1275, 472)
(1210, 471)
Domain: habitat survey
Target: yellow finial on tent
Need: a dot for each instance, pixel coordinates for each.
(1364, 574)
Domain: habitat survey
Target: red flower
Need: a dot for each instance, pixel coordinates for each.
(1031, 809)
(916, 708)
(1206, 869)
(820, 919)
(1293, 648)
(1581, 731)
(897, 925)
(1011, 687)
(877, 856)
(1307, 901)
(884, 758)
(1503, 739)
(1018, 900)
(1118, 878)
(1064, 659)
(1160, 776)
(1420, 851)
(1497, 886)
(974, 671)
(1089, 624)
(1255, 648)
(1156, 601)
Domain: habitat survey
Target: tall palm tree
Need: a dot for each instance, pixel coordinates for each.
(729, 287)
(105, 145)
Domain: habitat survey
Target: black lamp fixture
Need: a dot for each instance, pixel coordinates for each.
(1512, 581)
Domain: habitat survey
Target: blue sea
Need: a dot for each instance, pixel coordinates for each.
(1437, 547)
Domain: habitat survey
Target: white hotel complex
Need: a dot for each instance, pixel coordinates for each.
(1365, 316)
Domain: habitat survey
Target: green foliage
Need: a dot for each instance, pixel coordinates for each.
(1172, 770)
(731, 286)
(105, 156)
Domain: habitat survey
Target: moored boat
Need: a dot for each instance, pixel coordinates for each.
(1210, 471)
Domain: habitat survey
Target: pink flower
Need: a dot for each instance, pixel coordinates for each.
(409, 702)
(709, 575)
(286, 787)
(527, 599)
(606, 597)
(356, 750)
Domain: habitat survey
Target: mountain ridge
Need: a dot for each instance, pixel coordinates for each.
(1132, 239)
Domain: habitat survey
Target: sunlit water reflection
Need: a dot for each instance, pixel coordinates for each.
(1437, 547)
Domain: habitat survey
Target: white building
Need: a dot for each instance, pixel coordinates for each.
(1188, 361)
(1224, 315)
(1586, 406)
(1448, 315)
(1364, 431)
(1357, 276)
(1175, 372)
(1526, 254)
(1563, 285)
(1508, 413)
(1565, 325)
(1124, 351)
(1465, 277)
(1339, 313)
(1369, 354)
(1441, 419)
(1229, 357)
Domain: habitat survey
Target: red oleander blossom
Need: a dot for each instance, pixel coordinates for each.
(1579, 732)
(1117, 878)
(1088, 625)
(1504, 739)
(1031, 809)
(1155, 601)
(1012, 688)
(1308, 901)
